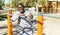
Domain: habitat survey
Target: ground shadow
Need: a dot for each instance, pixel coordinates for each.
(43, 33)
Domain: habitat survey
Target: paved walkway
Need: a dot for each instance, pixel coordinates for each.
(51, 26)
(57, 15)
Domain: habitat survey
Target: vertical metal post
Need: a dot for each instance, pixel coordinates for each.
(40, 25)
(9, 23)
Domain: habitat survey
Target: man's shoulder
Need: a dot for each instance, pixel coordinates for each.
(27, 12)
(17, 12)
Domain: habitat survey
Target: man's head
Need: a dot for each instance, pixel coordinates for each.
(21, 7)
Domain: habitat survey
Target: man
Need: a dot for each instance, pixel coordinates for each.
(25, 20)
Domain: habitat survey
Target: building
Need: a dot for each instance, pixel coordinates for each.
(50, 6)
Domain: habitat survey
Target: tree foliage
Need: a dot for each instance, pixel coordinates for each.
(27, 3)
(1, 4)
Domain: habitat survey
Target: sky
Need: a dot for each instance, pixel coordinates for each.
(7, 1)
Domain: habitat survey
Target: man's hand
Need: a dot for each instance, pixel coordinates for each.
(30, 16)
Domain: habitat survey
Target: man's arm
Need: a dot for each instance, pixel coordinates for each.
(14, 17)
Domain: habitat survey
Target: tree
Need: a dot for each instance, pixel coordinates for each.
(1, 3)
(30, 3)
(25, 2)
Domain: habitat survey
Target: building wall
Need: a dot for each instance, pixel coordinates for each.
(50, 7)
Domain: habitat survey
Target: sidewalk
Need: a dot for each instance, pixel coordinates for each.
(51, 26)
(57, 15)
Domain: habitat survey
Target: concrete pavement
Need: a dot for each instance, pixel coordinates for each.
(57, 15)
(51, 26)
